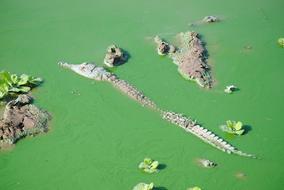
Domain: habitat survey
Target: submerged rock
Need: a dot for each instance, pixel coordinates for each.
(210, 19)
(190, 57)
(240, 175)
(114, 56)
(230, 89)
(21, 118)
(206, 163)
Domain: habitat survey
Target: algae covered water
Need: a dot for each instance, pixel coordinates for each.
(98, 136)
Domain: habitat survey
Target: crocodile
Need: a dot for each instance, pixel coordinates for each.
(190, 57)
(95, 72)
(92, 71)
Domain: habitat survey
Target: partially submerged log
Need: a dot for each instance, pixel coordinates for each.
(190, 57)
(21, 118)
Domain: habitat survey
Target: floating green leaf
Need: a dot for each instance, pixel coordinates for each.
(13, 84)
(194, 188)
(149, 166)
(281, 42)
(144, 186)
(233, 127)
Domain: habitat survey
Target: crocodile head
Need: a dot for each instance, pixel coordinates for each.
(89, 70)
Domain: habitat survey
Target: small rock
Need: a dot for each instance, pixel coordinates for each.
(210, 19)
(206, 163)
(114, 56)
(230, 89)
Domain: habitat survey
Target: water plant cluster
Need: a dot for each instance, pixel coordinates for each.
(151, 166)
(281, 42)
(233, 127)
(11, 84)
(144, 186)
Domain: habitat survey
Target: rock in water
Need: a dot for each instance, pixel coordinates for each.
(210, 19)
(230, 89)
(206, 163)
(21, 118)
(190, 57)
(114, 56)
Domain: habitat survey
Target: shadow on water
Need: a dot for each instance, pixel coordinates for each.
(160, 188)
(126, 57)
(204, 44)
(162, 166)
(247, 129)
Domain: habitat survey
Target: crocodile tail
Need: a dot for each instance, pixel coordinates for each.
(216, 141)
(203, 133)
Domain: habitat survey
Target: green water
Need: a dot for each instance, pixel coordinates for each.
(98, 136)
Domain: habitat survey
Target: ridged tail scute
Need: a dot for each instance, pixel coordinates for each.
(133, 92)
(204, 134)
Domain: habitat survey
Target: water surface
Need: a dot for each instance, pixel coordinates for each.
(98, 136)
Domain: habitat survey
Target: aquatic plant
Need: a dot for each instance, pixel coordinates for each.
(194, 188)
(149, 166)
(13, 84)
(144, 186)
(233, 127)
(281, 42)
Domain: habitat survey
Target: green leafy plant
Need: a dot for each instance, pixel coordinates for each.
(194, 188)
(233, 127)
(13, 84)
(281, 42)
(149, 166)
(144, 186)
